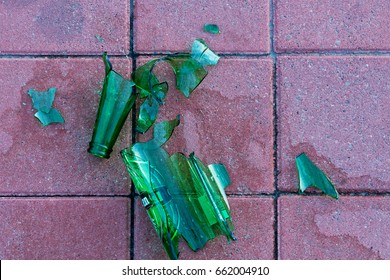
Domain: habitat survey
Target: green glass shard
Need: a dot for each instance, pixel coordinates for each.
(116, 101)
(310, 175)
(182, 196)
(161, 134)
(203, 54)
(147, 114)
(53, 116)
(107, 64)
(189, 73)
(100, 39)
(42, 102)
(211, 28)
(144, 78)
(149, 108)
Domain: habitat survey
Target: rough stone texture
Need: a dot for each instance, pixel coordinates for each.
(64, 27)
(306, 25)
(319, 228)
(64, 228)
(227, 119)
(54, 159)
(169, 26)
(253, 219)
(337, 110)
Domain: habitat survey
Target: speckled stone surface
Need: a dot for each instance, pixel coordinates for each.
(253, 218)
(54, 159)
(169, 26)
(51, 228)
(307, 25)
(321, 228)
(227, 119)
(64, 27)
(337, 110)
(295, 76)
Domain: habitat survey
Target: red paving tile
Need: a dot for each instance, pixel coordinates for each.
(320, 228)
(252, 217)
(169, 26)
(235, 96)
(332, 25)
(54, 159)
(64, 228)
(64, 27)
(336, 109)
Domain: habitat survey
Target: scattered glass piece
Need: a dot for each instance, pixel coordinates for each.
(42, 101)
(211, 28)
(310, 175)
(201, 53)
(100, 39)
(53, 116)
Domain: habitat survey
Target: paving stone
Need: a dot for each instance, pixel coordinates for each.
(306, 25)
(227, 119)
(54, 228)
(64, 27)
(54, 159)
(253, 219)
(322, 228)
(337, 110)
(168, 26)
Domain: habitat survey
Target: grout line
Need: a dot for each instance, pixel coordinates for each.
(56, 56)
(279, 193)
(237, 54)
(289, 53)
(220, 54)
(64, 196)
(131, 22)
(336, 53)
(342, 194)
(133, 132)
(275, 127)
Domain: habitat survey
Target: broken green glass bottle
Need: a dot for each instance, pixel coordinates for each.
(116, 101)
(182, 196)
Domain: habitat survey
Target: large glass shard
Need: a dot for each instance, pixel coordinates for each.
(144, 78)
(116, 101)
(182, 196)
(189, 73)
(310, 175)
(189, 70)
(149, 108)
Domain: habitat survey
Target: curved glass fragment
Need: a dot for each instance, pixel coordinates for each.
(310, 175)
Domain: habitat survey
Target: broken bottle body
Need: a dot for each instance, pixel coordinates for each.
(182, 196)
(116, 101)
